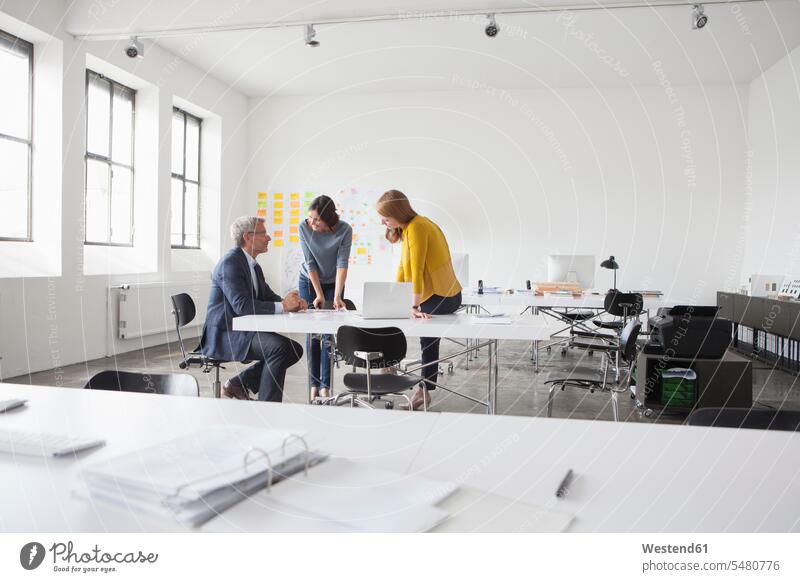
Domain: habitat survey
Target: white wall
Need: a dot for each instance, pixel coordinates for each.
(652, 175)
(773, 188)
(47, 322)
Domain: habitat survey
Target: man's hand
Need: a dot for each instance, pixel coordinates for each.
(292, 302)
(319, 302)
(339, 304)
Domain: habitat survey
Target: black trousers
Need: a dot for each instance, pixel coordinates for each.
(275, 353)
(435, 305)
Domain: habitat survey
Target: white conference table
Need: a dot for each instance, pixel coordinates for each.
(630, 477)
(458, 325)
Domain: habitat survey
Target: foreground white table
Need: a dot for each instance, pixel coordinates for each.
(630, 477)
(458, 325)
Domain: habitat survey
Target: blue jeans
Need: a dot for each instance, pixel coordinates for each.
(319, 356)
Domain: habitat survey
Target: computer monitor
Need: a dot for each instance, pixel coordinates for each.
(572, 269)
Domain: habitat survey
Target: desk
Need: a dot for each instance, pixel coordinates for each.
(451, 326)
(629, 477)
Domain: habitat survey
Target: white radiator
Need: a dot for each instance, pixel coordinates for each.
(146, 309)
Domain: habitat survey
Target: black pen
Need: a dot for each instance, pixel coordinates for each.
(565, 483)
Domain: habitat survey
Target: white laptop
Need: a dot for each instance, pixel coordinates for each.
(387, 301)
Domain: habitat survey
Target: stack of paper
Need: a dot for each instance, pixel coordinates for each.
(195, 477)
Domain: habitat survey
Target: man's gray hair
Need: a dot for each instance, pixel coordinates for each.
(242, 225)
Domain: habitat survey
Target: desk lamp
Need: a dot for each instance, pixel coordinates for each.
(610, 263)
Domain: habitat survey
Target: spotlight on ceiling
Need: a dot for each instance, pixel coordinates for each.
(491, 29)
(699, 19)
(310, 34)
(134, 49)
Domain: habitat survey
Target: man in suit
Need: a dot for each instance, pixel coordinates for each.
(238, 288)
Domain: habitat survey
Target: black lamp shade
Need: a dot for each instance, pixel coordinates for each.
(610, 263)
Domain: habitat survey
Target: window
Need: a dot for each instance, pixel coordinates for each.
(16, 106)
(109, 161)
(185, 218)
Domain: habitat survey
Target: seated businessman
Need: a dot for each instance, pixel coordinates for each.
(238, 288)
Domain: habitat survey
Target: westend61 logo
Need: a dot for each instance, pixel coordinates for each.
(31, 555)
(66, 559)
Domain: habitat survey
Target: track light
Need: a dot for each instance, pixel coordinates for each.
(134, 49)
(310, 34)
(699, 19)
(491, 27)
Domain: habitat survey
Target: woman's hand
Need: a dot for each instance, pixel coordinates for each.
(338, 304)
(319, 302)
(417, 314)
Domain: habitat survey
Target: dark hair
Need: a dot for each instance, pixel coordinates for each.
(326, 208)
(394, 204)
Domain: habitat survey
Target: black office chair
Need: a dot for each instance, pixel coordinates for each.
(184, 311)
(593, 379)
(374, 349)
(753, 418)
(145, 382)
(621, 306)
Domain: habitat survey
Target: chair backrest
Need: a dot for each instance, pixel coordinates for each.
(144, 382)
(627, 340)
(620, 304)
(390, 341)
(183, 309)
(349, 305)
(763, 419)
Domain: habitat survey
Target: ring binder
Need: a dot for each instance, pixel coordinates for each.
(305, 446)
(269, 463)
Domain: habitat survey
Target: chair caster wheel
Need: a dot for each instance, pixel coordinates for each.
(564, 352)
(591, 353)
(548, 349)
(450, 369)
(389, 405)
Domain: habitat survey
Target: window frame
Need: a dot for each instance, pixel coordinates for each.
(108, 160)
(29, 142)
(182, 177)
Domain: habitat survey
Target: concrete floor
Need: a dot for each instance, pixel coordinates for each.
(521, 392)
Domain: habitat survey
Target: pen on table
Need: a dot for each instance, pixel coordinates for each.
(563, 487)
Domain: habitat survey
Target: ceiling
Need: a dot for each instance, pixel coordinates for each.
(605, 48)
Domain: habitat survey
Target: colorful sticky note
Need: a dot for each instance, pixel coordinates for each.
(261, 212)
(277, 233)
(277, 221)
(293, 230)
(261, 203)
(294, 212)
(278, 243)
(361, 251)
(294, 221)
(262, 195)
(295, 203)
(277, 196)
(294, 196)
(277, 204)
(294, 239)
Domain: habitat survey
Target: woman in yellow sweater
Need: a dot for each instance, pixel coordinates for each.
(427, 265)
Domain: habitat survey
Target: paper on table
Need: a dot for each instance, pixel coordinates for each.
(352, 496)
(473, 510)
(499, 320)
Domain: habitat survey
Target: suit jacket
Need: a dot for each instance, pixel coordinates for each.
(232, 295)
